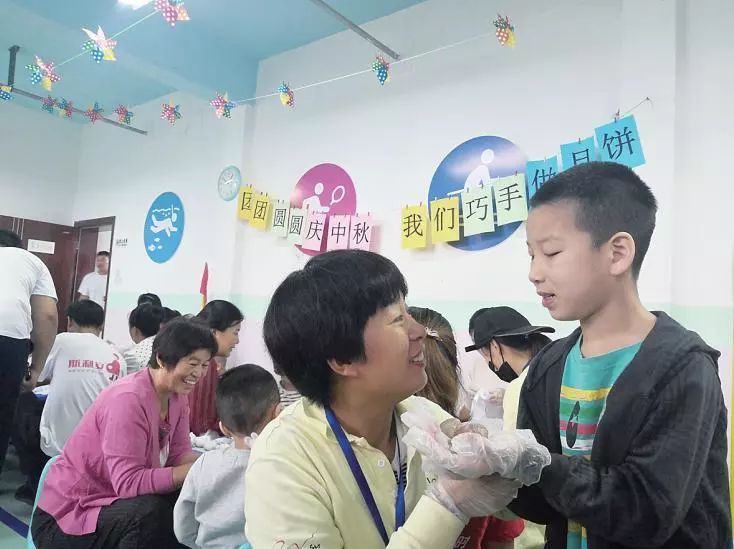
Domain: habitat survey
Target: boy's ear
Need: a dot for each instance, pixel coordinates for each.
(622, 248)
(224, 430)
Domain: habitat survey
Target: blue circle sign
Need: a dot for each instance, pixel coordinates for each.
(164, 227)
(472, 163)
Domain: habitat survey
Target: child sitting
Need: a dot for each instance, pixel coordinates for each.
(210, 510)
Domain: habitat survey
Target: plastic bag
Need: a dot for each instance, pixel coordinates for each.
(478, 448)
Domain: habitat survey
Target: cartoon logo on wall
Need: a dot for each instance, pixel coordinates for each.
(326, 188)
(164, 227)
(474, 163)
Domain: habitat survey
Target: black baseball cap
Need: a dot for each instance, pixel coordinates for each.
(487, 324)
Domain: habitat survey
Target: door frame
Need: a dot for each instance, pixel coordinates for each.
(96, 222)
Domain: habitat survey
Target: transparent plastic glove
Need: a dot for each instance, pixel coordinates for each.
(515, 454)
(481, 497)
(475, 452)
(487, 409)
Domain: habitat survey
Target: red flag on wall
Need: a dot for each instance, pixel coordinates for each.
(204, 285)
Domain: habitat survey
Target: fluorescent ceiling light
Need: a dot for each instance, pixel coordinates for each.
(134, 4)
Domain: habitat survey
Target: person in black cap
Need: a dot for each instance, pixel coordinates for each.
(506, 340)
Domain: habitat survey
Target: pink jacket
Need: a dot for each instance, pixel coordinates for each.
(114, 453)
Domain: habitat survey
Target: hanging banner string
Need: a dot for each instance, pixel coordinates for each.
(135, 24)
(367, 71)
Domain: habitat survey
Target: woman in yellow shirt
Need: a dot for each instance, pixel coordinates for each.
(331, 472)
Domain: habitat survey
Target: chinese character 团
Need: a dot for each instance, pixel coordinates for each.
(260, 210)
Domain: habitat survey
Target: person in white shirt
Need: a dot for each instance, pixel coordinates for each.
(144, 322)
(94, 285)
(79, 366)
(210, 511)
(27, 315)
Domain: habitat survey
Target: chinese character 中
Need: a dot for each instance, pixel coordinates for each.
(507, 195)
(413, 224)
(338, 231)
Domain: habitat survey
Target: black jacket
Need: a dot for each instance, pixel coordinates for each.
(658, 470)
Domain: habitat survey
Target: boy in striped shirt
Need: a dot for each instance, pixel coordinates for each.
(629, 405)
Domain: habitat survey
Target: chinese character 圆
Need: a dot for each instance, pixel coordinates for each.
(413, 224)
(279, 217)
(296, 224)
(614, 144)
(507, 194)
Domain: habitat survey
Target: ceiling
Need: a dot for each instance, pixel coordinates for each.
(218, 50)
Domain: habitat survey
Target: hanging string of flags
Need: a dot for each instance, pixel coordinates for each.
(466, 212)
(310, 229)
(483, 208)
(101, 48)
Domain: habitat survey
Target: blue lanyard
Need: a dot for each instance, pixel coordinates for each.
(362, 481)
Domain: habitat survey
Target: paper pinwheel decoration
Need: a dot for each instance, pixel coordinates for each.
(6, 93)
(222, 106)
(99, 46)
(170, 112)
(286, 95)
(505, 31)
(94, 113)
(48, 104)
(173, 11)
(43, 73)
(124, 116)
(382, 69)
(66, 108)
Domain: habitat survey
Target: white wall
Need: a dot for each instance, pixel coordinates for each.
(575, 64)
(186, 159)
(39, 158)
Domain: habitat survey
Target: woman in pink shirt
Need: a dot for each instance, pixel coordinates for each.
(112, 485)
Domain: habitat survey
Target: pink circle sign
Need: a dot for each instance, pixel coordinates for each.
(326, 188)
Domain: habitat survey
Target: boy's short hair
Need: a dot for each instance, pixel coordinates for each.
(86, 313)
(169, 314)
(320, 312)
(608, 198)
(103, 253)
(149, 298)
(244, 397)
(9, 239)
(147, 318)
(178, 339)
